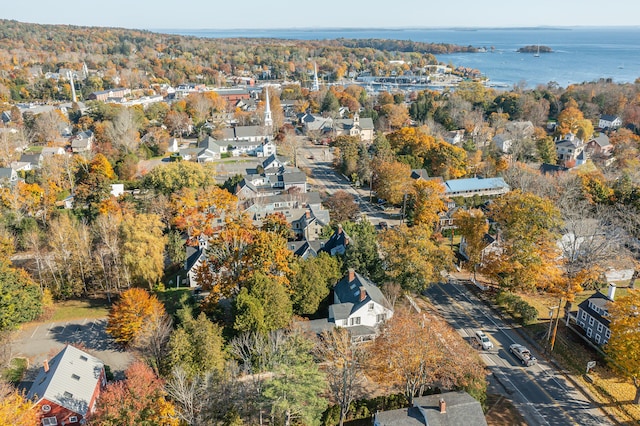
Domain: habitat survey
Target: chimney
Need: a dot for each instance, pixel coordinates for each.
(443, 406)
(46, 366)
(612, 291)
(352, 274)
(363, 294)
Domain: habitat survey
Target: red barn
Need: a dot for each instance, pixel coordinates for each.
(67, 387)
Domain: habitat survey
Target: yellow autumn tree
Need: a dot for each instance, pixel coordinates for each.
(624, 345)
(15, 409)
(392, 181)
(472, 226)
(528, 255)
(412, 258)
(142, 247)
(127, 317)
(427, 200)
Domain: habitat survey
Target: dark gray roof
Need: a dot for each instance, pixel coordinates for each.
(349, 291)
(607, 117)
(242, 132)
(306, 249)
(401, 417)
(462, 409)
(294, 177)
(419, 174)
(601, 301)
(71, 380)
(6, 173)
(602, 140)
(210, 144)
(546, 168)
(339, 238)
(31, 158)
(340, 311)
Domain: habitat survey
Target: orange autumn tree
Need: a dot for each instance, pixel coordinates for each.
(239, 251)
(127, 317)
(137, 400)
(196, 210)
(419, 351)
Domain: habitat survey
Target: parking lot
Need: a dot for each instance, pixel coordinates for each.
(38, 342)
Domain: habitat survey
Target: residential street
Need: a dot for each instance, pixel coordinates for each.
(324, 178)
(541, 394)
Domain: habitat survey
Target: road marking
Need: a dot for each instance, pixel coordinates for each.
(531, 378)
(34, 331)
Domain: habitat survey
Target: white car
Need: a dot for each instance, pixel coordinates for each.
(483, 340)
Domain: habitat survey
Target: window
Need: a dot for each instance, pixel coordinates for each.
(75, 377)
(46, 408)
(584, 315)
(597, 338)
(371, 306)
(49, 421)
(591, 320)
(608, 333)
(589, 332)
(73, 419)
(355, 321)
(345, 322)
(67, 395)
(599, 328)
(84, 358)
(381, 317)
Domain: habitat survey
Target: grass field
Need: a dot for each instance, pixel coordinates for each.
(15, 371)
(75, 309)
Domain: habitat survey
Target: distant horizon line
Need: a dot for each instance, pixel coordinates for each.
(340, 28)
(396, 28)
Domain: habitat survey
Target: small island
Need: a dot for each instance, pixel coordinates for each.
(535, 48)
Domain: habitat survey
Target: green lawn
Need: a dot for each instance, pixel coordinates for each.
(175, 298)
(16, 370)
(75, 309)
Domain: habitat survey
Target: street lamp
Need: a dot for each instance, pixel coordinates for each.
(551, 310)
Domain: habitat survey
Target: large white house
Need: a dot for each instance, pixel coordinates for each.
(359, 306)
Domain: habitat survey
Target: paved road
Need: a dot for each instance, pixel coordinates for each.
(541, 394)
(324, 178)
(38, 342)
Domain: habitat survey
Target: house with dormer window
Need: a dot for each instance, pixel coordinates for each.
(593, 316)
(359, 306)
(66, 389)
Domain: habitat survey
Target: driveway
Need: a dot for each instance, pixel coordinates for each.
(38, 342)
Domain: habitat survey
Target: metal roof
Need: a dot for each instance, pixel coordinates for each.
(71, 380)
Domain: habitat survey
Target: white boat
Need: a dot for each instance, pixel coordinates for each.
(537, 54)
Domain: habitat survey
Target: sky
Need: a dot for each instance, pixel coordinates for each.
(261, 14)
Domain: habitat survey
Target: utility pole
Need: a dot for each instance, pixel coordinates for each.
(555, 328)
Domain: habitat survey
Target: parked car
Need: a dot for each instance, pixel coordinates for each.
(523, 354)
(483, 340)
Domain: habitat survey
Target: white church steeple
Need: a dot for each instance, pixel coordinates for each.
(268, 120)
(316, 84)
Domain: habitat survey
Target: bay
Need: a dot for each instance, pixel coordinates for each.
(580, 54)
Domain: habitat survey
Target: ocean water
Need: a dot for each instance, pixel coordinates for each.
(579, 53)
